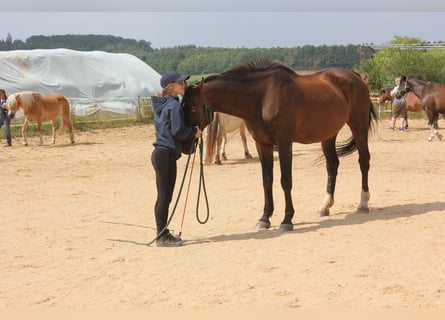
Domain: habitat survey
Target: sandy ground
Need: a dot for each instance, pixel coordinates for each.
(74, 219)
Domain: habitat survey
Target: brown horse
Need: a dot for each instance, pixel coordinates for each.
(412, 102)
(281, 107)
(41, 108)
(217, 137)
(432, 97)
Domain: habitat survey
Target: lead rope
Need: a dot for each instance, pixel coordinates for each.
(203, 186)
(187, 195)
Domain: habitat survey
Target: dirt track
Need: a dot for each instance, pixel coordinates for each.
(66, 204)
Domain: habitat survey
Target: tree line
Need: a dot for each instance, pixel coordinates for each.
(192, 59)
(382, 66)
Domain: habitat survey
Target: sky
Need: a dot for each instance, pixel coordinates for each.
(229, 23)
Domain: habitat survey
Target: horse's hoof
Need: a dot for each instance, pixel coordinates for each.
(323, 213)
(286, 227)
(362, 210)
(262, 225)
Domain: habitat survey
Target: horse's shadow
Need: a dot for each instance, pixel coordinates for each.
(68, 145)
(385, 213)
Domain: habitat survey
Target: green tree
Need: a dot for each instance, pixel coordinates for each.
(411, 60)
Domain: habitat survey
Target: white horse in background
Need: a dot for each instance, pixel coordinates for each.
(217, 136)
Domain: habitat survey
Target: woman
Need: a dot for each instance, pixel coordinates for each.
(170, 134)
(398, 106)
(4, 119)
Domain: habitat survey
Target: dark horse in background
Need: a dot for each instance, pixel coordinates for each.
(281, 107)
(432, 98)
(412, 102)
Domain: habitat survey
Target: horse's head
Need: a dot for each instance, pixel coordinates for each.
(404, 85)
(384, 96)
(196, 110)
(13, 103)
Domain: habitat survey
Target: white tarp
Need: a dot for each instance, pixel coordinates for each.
(93, 80)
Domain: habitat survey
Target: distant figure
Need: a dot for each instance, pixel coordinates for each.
(398, 106)
(4, 119)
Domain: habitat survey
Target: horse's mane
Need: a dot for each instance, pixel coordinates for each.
(250, 67)
(26, 97)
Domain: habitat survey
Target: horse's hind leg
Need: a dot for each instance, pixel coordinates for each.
(39, 127)
(332, 164)
(69, 124)
(363, 159)
(223, 146)
(219, 143)
(432, 123)
(242, 131)
(53, 125)
(24, 127)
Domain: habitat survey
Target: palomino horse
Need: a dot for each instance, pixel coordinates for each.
(432, 97)
(217, 136)
(41, 108)
(412, 102)
(281, 107)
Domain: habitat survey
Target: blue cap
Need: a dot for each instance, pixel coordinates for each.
(172, 76)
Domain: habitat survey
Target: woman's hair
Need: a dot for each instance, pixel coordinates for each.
(4, 92)
(167, 91)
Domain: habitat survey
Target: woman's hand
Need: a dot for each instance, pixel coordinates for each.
(198, 133)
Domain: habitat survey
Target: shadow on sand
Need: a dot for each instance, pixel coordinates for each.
(386, 213)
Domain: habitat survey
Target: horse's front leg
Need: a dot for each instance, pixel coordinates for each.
(53, 125)
(285, 154)
(265, 154)
(332, 163)
(24, 127)
(39, 127)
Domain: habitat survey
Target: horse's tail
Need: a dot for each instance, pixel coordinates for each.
(350, 145)
(212, 134)
(66, 116)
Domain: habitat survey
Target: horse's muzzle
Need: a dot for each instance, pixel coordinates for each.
(11, 114)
